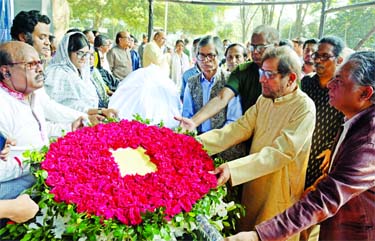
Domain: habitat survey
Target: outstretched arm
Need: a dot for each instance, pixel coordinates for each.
(214, 106)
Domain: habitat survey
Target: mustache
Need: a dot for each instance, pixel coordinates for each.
(40, 77)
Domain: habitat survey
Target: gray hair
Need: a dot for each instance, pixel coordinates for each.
(288, 60)
(215, 41)
(363, 69)
(271, 34)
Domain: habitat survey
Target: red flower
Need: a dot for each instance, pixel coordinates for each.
(81, 170)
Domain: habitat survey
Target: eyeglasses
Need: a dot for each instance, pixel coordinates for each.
(267, 73)
(323, 57)
(203, 57)
(81, 54)
(127, 38)
(259, 47)
(32, 65)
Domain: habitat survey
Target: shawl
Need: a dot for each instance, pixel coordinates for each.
(64, 84)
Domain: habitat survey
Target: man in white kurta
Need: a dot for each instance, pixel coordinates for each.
(153, 53)
(281, 124)
(21, 114)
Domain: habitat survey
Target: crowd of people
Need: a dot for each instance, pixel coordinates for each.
(293, 118)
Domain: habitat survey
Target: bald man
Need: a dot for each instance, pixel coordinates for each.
(153, 52)
(22, 116)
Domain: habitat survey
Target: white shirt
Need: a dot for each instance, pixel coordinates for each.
(24, 122)
(153, 54)
(56, 112)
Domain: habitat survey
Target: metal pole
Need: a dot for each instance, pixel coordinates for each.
(150, 19)
(322, 18)
(166, 18)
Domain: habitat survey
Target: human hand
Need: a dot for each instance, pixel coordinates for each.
(97, 116)
(5, 152)
(326, 155)
(185, 123)
(313, 187)
(110, 113)
(22, 209)
(244, 236)
(95, 119)
(223, 172)
(77, 124)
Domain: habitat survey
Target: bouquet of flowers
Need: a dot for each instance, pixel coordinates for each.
(83, 195)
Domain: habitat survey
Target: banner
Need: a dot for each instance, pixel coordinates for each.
(7, 14)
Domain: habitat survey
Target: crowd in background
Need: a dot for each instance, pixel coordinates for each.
(272, 108)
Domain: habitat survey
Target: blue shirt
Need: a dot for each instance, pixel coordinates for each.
(136, 60)
(234, 110)
(185, 76)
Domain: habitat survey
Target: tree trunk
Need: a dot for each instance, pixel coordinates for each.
(279, 19)
(246, 21)
(301, 11)
(364, 39)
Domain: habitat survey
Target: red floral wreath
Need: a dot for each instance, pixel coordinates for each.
(82, 171)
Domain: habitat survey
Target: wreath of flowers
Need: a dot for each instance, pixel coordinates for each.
(82, 196)
(82, 171)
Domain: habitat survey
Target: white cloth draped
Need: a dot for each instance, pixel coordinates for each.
(151, 94)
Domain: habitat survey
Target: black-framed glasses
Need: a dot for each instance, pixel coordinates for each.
(32, 65)
(202, 57)
(81, 54)
(323, 57)
(268, 73)
(259, 47)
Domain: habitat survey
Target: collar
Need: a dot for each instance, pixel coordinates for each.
(287, 97)
(14, 93)
(349, 122)
(203, 79)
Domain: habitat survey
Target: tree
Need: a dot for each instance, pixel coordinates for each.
(268, 13)
(191, 19)
(133, 13)
(301, 10)
(354, 26)
(246, 18)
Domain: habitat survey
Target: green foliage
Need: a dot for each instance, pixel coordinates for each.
(116, 15)
(189, 18)
(352, 25)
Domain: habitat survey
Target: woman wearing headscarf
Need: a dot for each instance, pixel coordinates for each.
(68, 74)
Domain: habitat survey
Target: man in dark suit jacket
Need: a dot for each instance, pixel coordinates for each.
(343, 201)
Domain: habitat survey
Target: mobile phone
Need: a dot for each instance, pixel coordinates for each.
(3, 140)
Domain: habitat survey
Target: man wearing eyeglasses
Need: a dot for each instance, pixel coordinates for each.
(281, 124)
(119, 57)
(21, 114)
(243, 81)
(343, 202)
(328, 120)
(201, 87)
(32, 28)
(326, 59)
